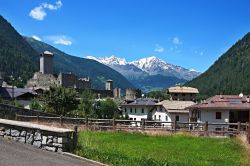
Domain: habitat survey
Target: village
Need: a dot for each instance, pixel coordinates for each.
(182, 105)
(124, 83)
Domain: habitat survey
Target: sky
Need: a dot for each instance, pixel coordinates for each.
(189, 33)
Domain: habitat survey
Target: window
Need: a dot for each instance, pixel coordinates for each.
(183, 94)
(175, 94)
(130, 118)
(155, 117)
(166, 118)
(159, 117)
(177, 118)
(134, 118)
(135, 110)
(142, 110)
(218, 115)
(131, 110)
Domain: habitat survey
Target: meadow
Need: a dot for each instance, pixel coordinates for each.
(135, 149)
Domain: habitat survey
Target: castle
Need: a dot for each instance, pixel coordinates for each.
(45, 78)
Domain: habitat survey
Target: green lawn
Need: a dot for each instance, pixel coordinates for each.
(119, 148)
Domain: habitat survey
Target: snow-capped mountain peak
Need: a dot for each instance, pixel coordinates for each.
(149, 65)
(112, 60)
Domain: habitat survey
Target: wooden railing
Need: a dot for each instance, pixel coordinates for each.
(205, 129)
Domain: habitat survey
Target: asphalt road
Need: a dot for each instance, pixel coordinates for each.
(18, 154)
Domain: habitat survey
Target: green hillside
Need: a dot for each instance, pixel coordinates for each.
(16, 55)
(230, 74)
(82, 67)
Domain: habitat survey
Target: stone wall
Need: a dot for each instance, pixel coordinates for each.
(51, 140)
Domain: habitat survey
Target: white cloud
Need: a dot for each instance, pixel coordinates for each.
(176, 41)
(60, 39)
(57, 5)
(159, 48)
(39, 12)
(36, 38)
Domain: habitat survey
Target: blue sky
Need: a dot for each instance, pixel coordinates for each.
(189, 33)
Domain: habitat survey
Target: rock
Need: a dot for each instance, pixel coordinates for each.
(57, 145)
(50, 137)
(55, 139)
(63, 140)
(15, 133)
(38, 136)
(37, 144)
(53, 149)
(19, 139)
(49, 142)
(7, 132)
(44, 140)
(30, 139)
(23, 133)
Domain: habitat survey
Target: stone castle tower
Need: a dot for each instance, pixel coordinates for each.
(46, 62)
(109, 85)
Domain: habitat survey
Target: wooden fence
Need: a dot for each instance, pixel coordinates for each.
(205, 129)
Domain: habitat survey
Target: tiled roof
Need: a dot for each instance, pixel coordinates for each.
(141, 102)
(175, 105)
(182, 89)
(224, 102)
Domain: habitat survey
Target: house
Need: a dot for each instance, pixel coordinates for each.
(170, 111)
(139, 109)
(22, 95)
(182, 93)
(221, 109)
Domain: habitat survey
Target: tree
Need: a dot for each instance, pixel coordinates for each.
(161, 95)
(61, 100)
(86, 105)
(35, 104)
(107, 109)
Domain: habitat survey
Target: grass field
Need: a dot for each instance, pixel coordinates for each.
(129, 149)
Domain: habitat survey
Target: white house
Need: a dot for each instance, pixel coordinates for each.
(139, 109)
(221, 109)
(171, 111)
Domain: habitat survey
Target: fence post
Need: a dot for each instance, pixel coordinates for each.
(113, 124)
(248, 132)
(37, 118)
(143, 124)
(206, 128)
(87, 123)
(238, 126)
(174, 126)
(61, 120)
(75, 137)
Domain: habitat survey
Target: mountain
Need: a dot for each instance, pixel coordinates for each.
(82, 67)
(148, 73)
(17, 57)
(230, 74)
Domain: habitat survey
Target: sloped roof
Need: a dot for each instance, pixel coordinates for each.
(182, 89)
(224, 102)
(142, 102)
(175, 105)
(7, 92)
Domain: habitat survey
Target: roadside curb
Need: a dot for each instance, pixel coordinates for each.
(83, 158)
